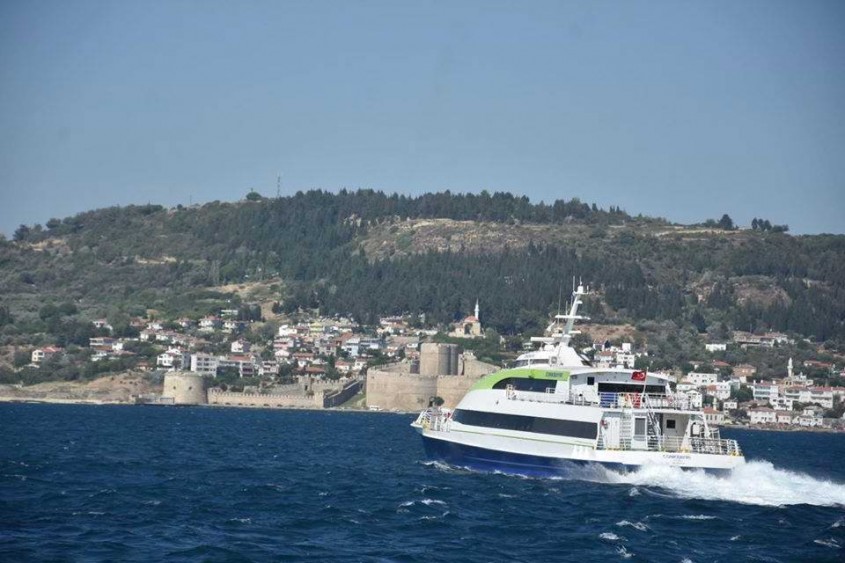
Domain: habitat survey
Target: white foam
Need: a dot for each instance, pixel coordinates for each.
(425, 501)
(241, 520)
(756, 482)
(636, 525)
(610, 536)
(624, 552)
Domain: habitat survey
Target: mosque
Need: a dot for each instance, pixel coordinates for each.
(470, 327)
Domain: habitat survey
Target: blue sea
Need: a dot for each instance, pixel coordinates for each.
(127, 483)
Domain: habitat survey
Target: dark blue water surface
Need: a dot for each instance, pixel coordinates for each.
(120, 483)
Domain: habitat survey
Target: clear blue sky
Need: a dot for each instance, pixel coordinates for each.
(685, 110)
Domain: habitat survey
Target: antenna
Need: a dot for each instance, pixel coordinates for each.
(279, 185)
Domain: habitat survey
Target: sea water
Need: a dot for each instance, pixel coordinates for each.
(126, 483)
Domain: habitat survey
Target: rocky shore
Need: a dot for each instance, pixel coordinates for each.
(114, 389)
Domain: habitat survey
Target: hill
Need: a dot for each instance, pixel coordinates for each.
(367, 254)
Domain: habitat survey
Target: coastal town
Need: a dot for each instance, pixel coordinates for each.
(321, 362)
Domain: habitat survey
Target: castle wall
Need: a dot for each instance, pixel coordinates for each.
(400, 391)
(452, 388)
(396, 390)
(475, 369)
(338, 397)
(231, 398)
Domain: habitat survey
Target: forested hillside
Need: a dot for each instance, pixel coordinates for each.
(366, 253)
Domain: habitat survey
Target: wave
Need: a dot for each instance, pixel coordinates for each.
(636, 525)
(756, 482)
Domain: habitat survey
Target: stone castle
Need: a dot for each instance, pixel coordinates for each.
(443, 372)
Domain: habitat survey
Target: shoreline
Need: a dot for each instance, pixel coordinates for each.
(98, 402)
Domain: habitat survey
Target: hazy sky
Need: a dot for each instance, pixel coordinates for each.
(685, 110)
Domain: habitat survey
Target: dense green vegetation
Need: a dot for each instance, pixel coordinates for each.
(689, 284)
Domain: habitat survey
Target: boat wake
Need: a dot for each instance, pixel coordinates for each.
(756, 482)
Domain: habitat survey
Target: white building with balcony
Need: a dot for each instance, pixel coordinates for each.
(764, 392)
(702, 379)
(762, 416)
(173, 359)
(204, 364)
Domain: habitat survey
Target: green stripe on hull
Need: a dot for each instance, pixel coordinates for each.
(550, 374)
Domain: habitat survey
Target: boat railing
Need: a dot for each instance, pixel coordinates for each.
(674, 401)
(435, 419)
(672, 444)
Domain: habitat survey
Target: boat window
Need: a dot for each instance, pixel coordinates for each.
(670, 423)
(631, 388)
(571, 428)
(591, 380)
(526, 384)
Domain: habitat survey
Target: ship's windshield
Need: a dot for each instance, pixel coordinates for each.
(526, 384)
(631, 388)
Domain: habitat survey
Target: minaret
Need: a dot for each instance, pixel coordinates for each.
(789, 368)
(476, 310)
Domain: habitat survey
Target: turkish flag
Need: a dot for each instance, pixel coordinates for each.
(638, 376)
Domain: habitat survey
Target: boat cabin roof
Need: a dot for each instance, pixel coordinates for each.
(558, 374)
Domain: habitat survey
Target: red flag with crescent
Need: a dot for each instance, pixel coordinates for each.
(638, 376)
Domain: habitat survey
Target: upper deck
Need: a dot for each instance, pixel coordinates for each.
(610, 400)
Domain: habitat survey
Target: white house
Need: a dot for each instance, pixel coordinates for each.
(784, 417)
(764, 391)
(240, 346)
(102, 323)
(720, 390)
(822, 396)
(716, 347)
(817, 395)
(626, 359)
(781, 403)
(173, 359)
(809, 418)
(685, 386)
(208, 324)
(204, 364)
(712, 416)
(244, 365)
(268, 367)
(41, 354)
(695, 398)
(762, 416)
(702, 379)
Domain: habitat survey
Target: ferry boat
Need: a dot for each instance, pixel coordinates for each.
(553, 410)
